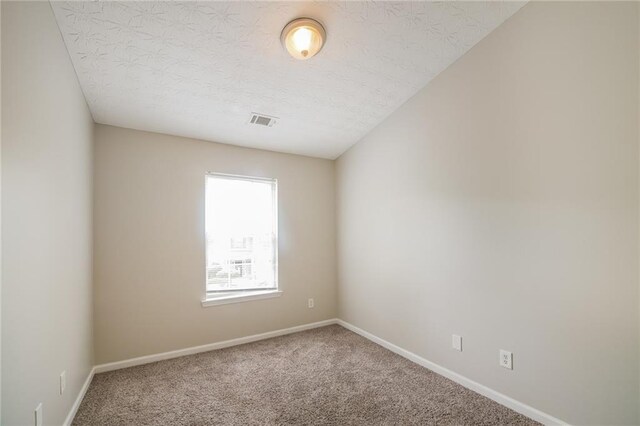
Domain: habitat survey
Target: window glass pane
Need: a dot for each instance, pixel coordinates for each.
(240, 234)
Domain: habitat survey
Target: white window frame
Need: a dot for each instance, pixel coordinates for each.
(235, 296)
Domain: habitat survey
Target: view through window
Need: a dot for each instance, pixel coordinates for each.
(241, 233)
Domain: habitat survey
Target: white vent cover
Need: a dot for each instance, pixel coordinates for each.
(262, 120)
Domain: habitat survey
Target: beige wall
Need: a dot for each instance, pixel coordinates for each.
(0, 215)
(149, 243)
(501, 203)
(46, 219)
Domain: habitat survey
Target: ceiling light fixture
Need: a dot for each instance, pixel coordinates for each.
(303, 38)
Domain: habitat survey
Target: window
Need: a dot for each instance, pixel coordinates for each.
(241, 238)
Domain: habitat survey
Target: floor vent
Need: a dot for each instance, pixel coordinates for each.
(262, 120)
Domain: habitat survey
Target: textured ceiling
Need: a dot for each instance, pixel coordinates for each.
(198, 69)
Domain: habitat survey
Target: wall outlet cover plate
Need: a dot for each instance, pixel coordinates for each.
(506, 359)
(38, 415)
(456, 342)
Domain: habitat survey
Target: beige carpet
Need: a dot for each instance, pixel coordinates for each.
(327, 376)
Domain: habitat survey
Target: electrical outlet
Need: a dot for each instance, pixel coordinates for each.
(456, 342)
(506, 359)
(311, 303)
(38, 415)
(63, 381)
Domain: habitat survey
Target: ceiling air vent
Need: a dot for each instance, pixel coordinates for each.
(262, 120)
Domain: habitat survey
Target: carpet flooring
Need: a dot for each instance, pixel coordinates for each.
(325, 376)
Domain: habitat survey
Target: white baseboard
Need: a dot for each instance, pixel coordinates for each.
(502, 399)
(209, 347)
(102, 368)
(76, 403)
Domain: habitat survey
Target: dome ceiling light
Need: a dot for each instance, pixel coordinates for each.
(303, 38)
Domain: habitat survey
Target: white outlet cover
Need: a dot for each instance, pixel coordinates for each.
(311, 303)
(456, 342)
(38, 415)
(506, 359)
(63, 381)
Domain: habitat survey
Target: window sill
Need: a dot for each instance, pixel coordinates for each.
(242, 297)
